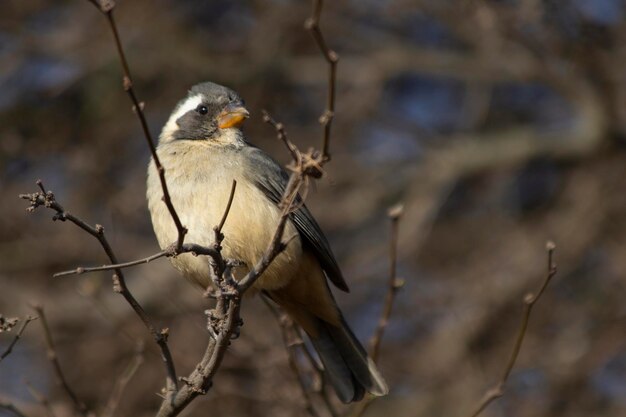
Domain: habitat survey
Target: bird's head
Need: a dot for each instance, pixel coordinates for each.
(207, 113)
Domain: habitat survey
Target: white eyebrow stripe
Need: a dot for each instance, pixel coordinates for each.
(190, 104)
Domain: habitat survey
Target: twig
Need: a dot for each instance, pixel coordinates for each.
(393, 285)
(86, 269)
(122, 383)
(106, 7)
(46, 198)
(228, 205)
(287, 330)
(172, 250)
(529, 301)
(276, 245)
(312, 25)
(41, 399)
(281, 134)
(17, 337)
(10, 407)
(79, 406)
(169, 252)
(320, 387)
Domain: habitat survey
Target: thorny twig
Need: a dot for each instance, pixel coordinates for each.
(46, 198)
(17, 337)
(79, 406)
(529, 301)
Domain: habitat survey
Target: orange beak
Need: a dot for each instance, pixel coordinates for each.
(232, 116)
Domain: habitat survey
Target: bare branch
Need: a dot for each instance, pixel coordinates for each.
(17, 337)
(291, 341)
(394, 283)
(47, 199)
(312, 25)
(529, 301)
(106, 7)
(122, 382)
(86, 269)
(228, 205)
(79, 406)
(281, 134)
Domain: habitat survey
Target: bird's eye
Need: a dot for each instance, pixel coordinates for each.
(202, 109)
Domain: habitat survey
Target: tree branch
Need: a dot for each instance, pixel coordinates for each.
(529, 301)
(312, 25)
(122, 382)
(291, 339)
(79, 406)
(17, 337)
(394, 283)
(47, 199)
(106, 7)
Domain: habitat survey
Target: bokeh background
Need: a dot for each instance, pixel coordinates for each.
(498, 124)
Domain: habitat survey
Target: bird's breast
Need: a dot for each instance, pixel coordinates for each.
(199, 180)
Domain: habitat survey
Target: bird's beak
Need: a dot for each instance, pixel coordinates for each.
(232, 116)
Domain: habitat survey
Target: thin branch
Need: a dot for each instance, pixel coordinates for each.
(291, 343)
(17, 337)
(276, 245)
(122, 382)
(393, 286)
(228, 205)
(281, 134)
(79, 406)
(40, 398)
(169, 252)
(320, 386)
(394, 283)
(106, 7)
(87, 269)
(46, 198)
(312, 25)
(529, 301)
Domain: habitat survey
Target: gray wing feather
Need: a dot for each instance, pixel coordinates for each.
(272, 182)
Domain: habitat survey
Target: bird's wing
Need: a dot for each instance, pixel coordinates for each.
(273, 182)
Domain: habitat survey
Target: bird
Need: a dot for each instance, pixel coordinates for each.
(203, 149)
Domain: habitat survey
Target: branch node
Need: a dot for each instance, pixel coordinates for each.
(106, 6)
(310, 24)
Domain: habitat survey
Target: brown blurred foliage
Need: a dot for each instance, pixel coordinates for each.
(499, 124)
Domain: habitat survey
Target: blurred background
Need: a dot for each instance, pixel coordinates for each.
(499, 124)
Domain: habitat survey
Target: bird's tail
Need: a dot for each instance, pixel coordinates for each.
(348, 368)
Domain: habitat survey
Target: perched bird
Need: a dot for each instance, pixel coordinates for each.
(203, 150)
